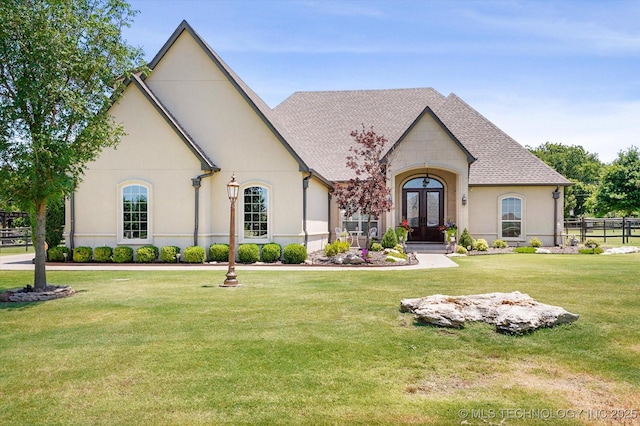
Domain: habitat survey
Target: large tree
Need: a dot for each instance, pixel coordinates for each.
(576, 164)
(619, 191)
(62, 64)
(367, 193)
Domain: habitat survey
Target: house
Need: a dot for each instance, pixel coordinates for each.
(193, 122)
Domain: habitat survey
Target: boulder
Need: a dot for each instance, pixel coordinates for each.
(513, 313)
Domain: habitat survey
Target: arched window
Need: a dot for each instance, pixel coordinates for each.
(256, 213)
(135, 220)
(511, 218)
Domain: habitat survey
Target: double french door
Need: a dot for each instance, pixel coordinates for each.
(424, 210)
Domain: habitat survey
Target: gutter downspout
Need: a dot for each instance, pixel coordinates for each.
(305, 186)
(195, 182)
(329, 216)
(556, 196)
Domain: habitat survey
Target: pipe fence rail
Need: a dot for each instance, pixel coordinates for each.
(612, 228)
(15, 237)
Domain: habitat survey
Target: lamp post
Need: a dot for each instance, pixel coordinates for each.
(232, 192)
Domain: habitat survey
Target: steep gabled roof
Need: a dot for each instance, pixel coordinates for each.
(323, 121)
(205, 161)
(256, 103)
(500, 159)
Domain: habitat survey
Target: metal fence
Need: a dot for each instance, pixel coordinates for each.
(15, 237)
(613, 228)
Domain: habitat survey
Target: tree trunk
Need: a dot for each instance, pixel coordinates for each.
(40, 273)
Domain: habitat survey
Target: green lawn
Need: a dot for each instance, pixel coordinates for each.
(316, 347)
(8, 251)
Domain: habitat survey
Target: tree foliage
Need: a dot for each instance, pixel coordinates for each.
(61, 67)
(619, 191)
(579, 166)
(368, 192)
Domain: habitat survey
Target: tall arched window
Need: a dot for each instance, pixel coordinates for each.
(256, 213)
(135, 218)
(511, 218)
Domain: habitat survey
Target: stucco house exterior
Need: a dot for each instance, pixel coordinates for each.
(193, 122)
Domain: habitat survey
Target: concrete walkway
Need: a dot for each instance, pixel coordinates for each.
(22, 262)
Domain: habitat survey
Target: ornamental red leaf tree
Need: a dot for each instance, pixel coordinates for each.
(367, 193)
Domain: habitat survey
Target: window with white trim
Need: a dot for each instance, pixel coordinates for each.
(255, 213)
(358, 222)
(135, 217)
(511, 218)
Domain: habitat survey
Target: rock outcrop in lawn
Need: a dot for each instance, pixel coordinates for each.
(512, 313)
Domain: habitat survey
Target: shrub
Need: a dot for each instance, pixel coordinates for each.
(534, 242)
(499, 244)
(146, 254)
(102, 254)
(56, 254)
(271, 252)
(82, 254)
(219, 252)
(390, 239)
(331, 249)
(525, 249)
(122, 255)
(594, 250)
(169, 254)
(591, 244)
(399, 248)
(461, 250)
(248, 253)
(294, 253)
(343, 246)
(465, 239)
(376, 247)
(481, 245)
(194, 254)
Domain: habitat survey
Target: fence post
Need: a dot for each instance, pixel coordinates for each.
(583, 230)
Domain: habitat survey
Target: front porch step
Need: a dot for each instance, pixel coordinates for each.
(432, 248)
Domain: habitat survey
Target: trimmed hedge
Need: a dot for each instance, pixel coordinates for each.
(294, 253)
(499, 244)
(534, 242)
(56, 254)
(481, 244)
(465, 240)
(248, 253)
(102, 254)
(146, 254)
(194, 254)
(169, 254)
(82, 254)
(271, 252)
(219, 252)
(122, 255)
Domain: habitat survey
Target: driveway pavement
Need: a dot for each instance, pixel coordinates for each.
(22, 262)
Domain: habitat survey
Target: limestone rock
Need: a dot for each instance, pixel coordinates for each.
(513, 313)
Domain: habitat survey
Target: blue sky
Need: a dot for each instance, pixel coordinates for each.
(560, 71)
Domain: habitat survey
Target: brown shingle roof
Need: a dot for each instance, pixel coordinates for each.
(321, 123)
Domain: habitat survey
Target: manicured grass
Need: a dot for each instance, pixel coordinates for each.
(8, 251)
(319, 347)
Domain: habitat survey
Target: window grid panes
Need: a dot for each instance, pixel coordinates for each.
(135, 220)
(358, 222)
(256, 219)
(511, 217)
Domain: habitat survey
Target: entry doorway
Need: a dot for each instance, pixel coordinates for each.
(423, 207)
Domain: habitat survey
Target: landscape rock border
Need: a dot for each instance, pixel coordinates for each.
(29, 294)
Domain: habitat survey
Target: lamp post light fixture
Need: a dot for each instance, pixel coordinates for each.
(232, 192)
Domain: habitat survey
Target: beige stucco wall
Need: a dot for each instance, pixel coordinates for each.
(538, 209)
(233, 135)
(151, 153)
(428, 148)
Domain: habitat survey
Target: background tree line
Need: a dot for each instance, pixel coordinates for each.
(599, 189)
